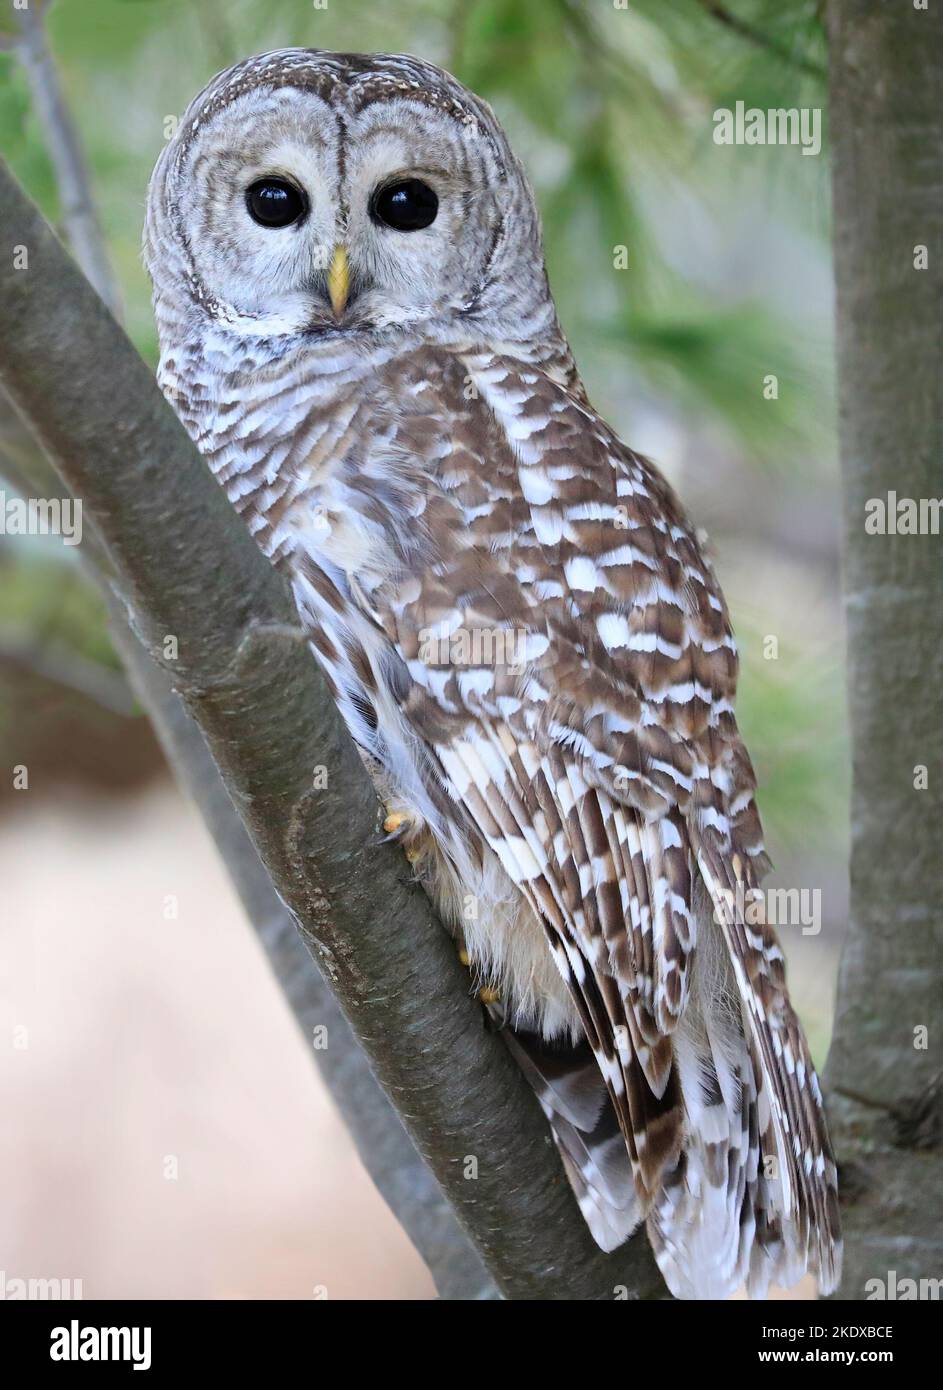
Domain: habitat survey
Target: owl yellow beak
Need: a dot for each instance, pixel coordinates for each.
(338, 280)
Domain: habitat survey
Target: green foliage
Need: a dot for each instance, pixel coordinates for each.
(792, 717)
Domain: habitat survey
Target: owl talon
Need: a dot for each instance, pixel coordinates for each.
(495, 1015)
(395, 822)
(401, 826)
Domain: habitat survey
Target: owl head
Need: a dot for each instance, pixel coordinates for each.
(326, 195)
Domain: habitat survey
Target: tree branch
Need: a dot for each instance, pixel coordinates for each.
(187, 567)
(80, 219)
(62, 665)
(886, 76)
(759, 39)
(386, 1151)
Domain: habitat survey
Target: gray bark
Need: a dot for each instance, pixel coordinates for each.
(79, 214)
(886, 87)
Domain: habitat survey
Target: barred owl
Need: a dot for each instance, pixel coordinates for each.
(518, 625)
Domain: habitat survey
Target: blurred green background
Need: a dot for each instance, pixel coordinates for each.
(726, 282)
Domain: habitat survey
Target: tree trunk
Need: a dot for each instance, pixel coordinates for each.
(886, 113)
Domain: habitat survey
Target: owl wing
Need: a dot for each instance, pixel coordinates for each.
(590, 737)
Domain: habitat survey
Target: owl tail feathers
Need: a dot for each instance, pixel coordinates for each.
(723, 1219)
(787, 1188)
(719, 1220)
(573, 1096)
(737, 1206)
(739, 1209)
(700, 1222)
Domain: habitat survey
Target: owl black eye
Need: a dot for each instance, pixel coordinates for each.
(407, 206)
(275, 202)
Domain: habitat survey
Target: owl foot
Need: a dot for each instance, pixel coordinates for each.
(487, 994)
(407, 829)
(494, 1009)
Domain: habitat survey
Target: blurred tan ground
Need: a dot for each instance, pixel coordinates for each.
(150, 1037)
